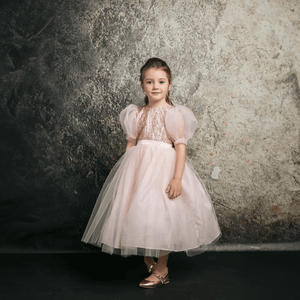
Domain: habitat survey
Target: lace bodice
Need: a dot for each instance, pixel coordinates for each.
(151, 124)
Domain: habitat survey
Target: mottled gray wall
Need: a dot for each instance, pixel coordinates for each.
(69, 67)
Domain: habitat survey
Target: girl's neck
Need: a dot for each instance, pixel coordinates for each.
(158, 104)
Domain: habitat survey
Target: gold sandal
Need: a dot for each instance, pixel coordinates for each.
(147, 284)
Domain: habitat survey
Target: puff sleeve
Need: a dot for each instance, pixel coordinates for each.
(181, 124)
(128, 121)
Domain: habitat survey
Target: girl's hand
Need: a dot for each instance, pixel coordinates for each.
(174, 188)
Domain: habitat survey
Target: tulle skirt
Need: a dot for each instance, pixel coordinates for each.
(134, 216)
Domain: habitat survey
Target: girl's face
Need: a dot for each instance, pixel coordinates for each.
(156, 86)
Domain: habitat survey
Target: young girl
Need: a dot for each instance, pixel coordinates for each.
(152, 202)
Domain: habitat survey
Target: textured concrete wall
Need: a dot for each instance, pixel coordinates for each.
(68, 68)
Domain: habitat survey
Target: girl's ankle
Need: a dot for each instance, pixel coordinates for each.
(149, 262)
(161, 270)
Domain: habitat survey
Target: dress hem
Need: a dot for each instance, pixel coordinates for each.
(118, 251)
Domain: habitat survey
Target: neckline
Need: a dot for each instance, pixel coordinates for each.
(157, 107)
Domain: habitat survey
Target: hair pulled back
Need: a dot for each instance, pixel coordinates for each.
(158, 63)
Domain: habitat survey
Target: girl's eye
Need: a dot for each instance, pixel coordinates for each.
(148, 82)
(162, 82)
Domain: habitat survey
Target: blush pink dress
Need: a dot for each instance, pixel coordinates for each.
(133, 215)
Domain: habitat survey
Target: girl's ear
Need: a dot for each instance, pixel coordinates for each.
(142, 85)
(170, 84)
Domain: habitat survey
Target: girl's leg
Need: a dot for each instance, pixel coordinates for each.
(160, 268)
(149, 261)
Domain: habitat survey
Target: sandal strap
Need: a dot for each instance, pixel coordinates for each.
(162, 279)
(150, 268)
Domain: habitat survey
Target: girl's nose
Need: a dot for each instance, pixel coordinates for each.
(154, 85)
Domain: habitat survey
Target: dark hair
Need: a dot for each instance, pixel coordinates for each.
(158, 63)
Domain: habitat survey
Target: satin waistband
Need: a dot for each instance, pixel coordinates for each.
(154, 143)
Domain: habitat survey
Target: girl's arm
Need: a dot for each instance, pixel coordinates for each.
(130, 144)
(174, 188)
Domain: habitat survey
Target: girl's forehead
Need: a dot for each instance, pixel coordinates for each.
(155, 72)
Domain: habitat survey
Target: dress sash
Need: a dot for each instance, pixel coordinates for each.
(154, 143)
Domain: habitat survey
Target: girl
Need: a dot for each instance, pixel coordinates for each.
(152, 202)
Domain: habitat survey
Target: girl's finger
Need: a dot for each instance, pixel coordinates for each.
(168, 189)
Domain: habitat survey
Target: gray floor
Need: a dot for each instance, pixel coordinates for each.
(211, 275)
